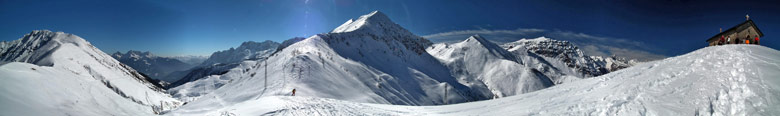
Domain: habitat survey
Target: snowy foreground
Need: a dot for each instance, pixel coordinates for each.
(721, 80)
(366, 64)
(49, 73)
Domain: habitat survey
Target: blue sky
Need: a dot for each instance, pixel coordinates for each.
(200, 27)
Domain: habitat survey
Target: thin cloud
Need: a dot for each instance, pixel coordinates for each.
(518, 31)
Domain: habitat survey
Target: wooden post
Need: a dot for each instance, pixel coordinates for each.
(265, 85)
(445, 93)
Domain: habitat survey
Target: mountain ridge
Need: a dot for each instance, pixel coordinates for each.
(702, 82)
(155, 66)
(341, 61)
(79, 69)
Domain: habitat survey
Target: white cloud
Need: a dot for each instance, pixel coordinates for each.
(519, 31)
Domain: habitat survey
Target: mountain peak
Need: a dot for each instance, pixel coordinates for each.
(478, 38)
(376, 15)
(567, 52)
(380, 27)
(35, 46)
(41, 31)
(44, 36)
(247, 50)
(133, 54)
(373, 19)
(542, 38)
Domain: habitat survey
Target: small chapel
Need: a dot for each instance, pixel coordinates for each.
(745, 33)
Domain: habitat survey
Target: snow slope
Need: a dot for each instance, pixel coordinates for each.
(58, 73)
(222, 61)
(568, 57)
(379, 62)
(719, 80)
(479, 62)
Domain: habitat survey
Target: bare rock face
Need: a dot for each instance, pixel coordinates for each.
(570, 54)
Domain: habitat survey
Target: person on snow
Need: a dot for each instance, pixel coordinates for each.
(729, 40)
(747, 40)
(757, 40)
(720, 42)
(293, 92)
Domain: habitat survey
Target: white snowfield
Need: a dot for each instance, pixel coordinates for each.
(364, 65)
(378, 62)
(567, 57)
(720, 80)
(55, 73)
(479, 62)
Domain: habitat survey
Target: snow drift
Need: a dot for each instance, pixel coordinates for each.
(719, 80)
(371, 60)
(479, 62)
(55, 73)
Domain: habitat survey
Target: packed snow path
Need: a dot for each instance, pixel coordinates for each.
(720, 80)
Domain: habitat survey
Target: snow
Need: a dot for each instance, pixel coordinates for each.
(362, 65)
(720, 80)
(478, 62)
(31, 90)
(613, 63)
(222, 61)
(63, 55)
(247, 50)
(568, 57)
(189, 90)
(377, 61)
(363, 22)
(373, 66)
(289, 42)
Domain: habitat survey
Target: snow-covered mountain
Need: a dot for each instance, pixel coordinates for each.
(154, 66)
(370, 59)
(719, 80)
(522, 66)
(480, 62)
(614, 63)
(199, 73)
(563, 54)
(207, 77)
(247, 50)
(55, 73)
(222, 61)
